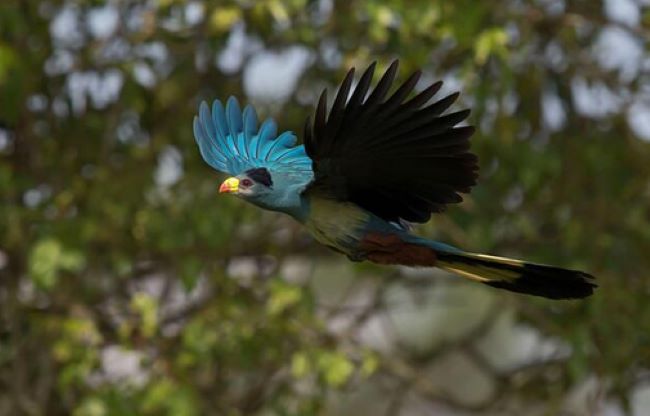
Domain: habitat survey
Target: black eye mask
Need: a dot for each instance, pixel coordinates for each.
(260, 175)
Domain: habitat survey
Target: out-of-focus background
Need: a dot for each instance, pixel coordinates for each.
(128, 286)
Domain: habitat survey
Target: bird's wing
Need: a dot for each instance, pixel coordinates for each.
(397, 158)
(231, 141)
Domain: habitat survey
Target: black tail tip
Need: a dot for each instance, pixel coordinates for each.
(550, 282)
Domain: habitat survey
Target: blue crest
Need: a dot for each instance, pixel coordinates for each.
(230, 141)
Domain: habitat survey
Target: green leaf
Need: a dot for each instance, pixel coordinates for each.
(490, 42)
(7, 61)
(190, 272)
(300, 366)
(44, 261)
(223, 18)
(369, 363)
(92, 406)
(282, 297)
(147, 307)
(47, 258)
(335, 367)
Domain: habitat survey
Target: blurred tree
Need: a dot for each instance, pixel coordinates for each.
(128, 287)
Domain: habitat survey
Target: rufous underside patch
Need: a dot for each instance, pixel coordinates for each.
(391, 249)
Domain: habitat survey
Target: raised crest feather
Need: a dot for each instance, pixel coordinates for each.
(230, 141)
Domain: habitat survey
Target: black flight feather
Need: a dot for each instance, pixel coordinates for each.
(398, 158)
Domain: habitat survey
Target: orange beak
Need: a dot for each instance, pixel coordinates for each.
(229, 186)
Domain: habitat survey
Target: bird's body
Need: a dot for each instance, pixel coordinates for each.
(361, 235)
(338, 225)
(374, 164)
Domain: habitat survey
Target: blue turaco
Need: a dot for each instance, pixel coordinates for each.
(370, 166)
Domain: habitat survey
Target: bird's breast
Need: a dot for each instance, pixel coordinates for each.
(335, 224)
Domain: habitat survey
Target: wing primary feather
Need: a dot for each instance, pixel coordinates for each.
(338, 108)
(423, 97)
(401, 93)
(360, 91)
(443, 104)
(321, 112)
(308, 137)
(320, 123)
(454, 118)
(425, 125)
(382, 87)
(407, 114)
(395, 156)
(431, 116)
(356, 105)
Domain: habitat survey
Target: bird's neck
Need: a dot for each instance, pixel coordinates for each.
(299, 210)
(291, 203)
(288, 196)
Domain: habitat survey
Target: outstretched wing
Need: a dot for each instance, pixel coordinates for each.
(231, 142)
(397, 159)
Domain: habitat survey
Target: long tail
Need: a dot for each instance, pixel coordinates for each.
(500, 272)
(518, 276)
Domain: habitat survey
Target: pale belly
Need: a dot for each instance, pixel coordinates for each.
(337, 225)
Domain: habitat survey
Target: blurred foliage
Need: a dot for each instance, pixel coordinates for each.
(99, 254)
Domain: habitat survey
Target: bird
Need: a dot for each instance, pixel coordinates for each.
(367, 170)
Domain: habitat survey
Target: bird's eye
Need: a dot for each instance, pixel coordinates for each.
(246, 183)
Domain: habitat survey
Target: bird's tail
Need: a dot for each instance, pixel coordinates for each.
(518, 276)
(500, 272)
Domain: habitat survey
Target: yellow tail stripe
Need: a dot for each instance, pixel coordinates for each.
(483, 273)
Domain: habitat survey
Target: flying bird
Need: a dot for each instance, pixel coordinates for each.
(369, 167)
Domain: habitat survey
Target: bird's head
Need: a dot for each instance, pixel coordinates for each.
(274, 190)
(254, 185)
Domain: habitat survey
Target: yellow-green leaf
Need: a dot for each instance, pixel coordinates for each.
(223, 18)
(44, 262)
(282, 297)
(336, 368)
(147, 307)
(300, 365)
(490, 42)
